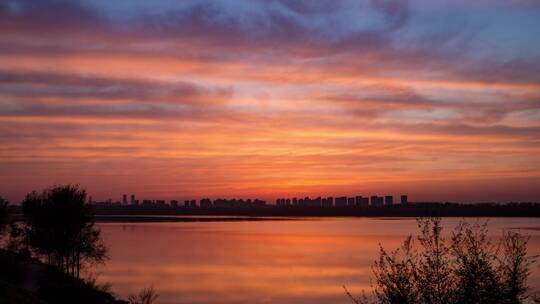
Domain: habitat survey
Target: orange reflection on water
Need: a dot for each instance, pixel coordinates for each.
(296, 261)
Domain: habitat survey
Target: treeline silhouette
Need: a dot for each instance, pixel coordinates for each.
(465, 268)
(409, 210)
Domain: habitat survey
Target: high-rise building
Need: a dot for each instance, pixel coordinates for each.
(362, 201)
(205, 203)
(341, 201)
(330, 201)
(377, 201)
(404, 200)
(133, 199)
(174, 203)
(258, 202)
(388, 200)
(365, 201)
(350, 201)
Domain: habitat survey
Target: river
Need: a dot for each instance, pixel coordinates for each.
(288, 261)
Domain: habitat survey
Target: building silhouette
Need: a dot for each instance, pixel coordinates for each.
(205, 203)
(404, 200)
(318, 202)
(376, 201)
(362, 201)
(330, 201)
(327, 202)
(341, 201)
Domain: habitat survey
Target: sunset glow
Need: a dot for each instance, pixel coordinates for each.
(177, 100)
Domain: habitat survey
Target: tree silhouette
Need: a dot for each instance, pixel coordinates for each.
(468, 268)
(3, 214)
(434, 272)
(475, 259)
(393, 272)
(515, 267)
(58, 225)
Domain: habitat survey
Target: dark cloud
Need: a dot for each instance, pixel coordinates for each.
(381, 97)
(49, 17)
(372, 101)
(477, 131)
(312, 7)
(505, 71)
(72, 86)
(209, 31)
(204, 24)
(148, 111)
(396, 13)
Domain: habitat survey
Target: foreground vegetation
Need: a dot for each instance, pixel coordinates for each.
(47, 251)
(468, 267)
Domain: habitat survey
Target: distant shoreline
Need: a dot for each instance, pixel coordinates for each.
(197, 214)
(173, 218)
(105, 219)
(167, 213)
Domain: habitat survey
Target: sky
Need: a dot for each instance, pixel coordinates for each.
(167, 99)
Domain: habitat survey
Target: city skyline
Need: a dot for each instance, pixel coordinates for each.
(248, 98)
(374, 199)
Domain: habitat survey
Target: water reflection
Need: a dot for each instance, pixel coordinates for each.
(298, 261)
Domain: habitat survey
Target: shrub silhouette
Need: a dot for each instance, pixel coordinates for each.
(58, 225)
(145, 296)
(467, 268)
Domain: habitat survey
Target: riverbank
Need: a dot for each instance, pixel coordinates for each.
(25, 280)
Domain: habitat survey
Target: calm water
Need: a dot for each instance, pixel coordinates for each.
(296, 261)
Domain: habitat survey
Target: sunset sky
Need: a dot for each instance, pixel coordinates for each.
(250, 98)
